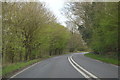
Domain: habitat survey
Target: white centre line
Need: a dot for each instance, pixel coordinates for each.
(78, 69)
(83, 71)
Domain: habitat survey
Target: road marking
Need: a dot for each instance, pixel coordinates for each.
(83, 71)
(78, 69)
(23, 70)
(114, 65)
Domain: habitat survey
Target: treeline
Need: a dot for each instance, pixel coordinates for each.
(97, 22)
(30, 31)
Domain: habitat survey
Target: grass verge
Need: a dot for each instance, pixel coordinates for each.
(103, 58)
(11, 68)
(16, 66)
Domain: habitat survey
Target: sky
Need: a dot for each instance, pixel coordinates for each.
(56, 7)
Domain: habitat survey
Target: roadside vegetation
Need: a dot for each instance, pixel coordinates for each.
(97, 22)
(16, 66)
(12, 68)
(104, 58)
(29, 32)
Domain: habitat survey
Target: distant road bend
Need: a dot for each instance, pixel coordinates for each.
(69, 66)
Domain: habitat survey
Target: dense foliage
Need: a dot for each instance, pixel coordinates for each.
(30, 31)
(99, 26)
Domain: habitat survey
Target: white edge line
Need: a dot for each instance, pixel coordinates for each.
(114, 65)
(78, 69)
(24, 70)
(84, 69)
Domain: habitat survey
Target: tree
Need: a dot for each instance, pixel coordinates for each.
(30, 31)
(99, 24)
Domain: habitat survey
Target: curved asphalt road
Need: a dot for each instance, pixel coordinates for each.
(59, 67)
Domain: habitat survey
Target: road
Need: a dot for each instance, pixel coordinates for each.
(63, 67)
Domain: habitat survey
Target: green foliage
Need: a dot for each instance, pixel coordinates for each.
(104, 58)
(75, 43)
(12, 67)
(104, 38)
(100, 25)
(30, 31)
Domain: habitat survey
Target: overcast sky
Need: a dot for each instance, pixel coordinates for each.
(56, 7)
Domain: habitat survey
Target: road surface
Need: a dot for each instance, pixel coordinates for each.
(64, 67)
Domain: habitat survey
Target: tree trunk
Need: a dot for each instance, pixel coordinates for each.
(50, 52)
(26, 55)
(20, 59)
